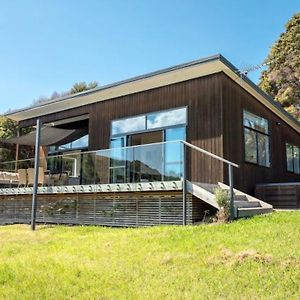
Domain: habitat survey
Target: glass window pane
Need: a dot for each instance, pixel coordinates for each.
(128, 125)
(263, 150)
(296, 160)
(80, 143)
(289, 157)
(173, 171)
(175, 134)
(256, 122)
(250, 146)
(117, 153)
(166, 118)
(173, 151)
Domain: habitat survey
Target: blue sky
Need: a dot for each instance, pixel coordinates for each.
(47, 46)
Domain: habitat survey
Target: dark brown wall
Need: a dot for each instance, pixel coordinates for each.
(235, 100)
(215, 110)
(201, 95)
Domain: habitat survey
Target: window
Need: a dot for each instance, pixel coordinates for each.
(257, 139)
(118, 160)
(173, 153)
(292, 158)
(80, 143)
(128, 125)
(166, 118)
(151, 121)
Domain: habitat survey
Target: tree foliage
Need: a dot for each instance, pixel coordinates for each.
(9, 128)
(282, 78)
(82, 86)
(76, 88)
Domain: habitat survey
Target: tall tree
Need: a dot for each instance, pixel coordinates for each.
(282, 78)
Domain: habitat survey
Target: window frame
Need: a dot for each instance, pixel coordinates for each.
(293, 146)
(257, 132)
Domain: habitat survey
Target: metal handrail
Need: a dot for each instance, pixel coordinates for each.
(230, 177)
(210, 154)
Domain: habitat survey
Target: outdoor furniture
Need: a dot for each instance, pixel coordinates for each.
(22, 177)
(30, 176)
(9, 178)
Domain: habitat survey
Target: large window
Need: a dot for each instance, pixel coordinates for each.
(292, 158)
(155, 162)
(151, 121)
(257, 139)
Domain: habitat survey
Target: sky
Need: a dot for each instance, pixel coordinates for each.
(47, 46)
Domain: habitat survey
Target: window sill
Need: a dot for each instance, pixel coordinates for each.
(257, 165)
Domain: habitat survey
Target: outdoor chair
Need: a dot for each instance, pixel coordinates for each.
(22, 177)
(30, 174)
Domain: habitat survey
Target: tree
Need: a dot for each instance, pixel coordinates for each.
(82, 86)
(9, 128)
(282, 78)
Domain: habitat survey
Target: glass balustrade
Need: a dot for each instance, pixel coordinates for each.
(143, 163)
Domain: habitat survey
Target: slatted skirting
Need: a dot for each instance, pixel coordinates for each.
(111, 209)
(285, 195)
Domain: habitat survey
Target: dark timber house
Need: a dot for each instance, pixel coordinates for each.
(138, 180)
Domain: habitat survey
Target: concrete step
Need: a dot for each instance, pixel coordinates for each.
(252, 211)
(245, 204)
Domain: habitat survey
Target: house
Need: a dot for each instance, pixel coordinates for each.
(128, 132)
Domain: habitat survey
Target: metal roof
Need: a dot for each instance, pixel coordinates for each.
(217, 57)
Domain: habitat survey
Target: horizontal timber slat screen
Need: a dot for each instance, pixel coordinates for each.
(284, 196)
(110, 209)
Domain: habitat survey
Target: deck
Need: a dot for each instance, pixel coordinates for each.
(130, 205)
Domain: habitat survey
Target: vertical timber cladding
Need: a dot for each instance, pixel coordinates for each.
(202, 96)
(235, 100)
(111, 209)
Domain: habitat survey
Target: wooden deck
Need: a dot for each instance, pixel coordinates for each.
(126, 205)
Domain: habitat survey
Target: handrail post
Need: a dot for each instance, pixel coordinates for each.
(183, 184)
(36, 173)
(231, 192)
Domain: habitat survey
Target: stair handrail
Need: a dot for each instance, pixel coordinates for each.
(210, 154)
(230, 177)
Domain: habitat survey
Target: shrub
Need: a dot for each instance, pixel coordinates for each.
(222, 198)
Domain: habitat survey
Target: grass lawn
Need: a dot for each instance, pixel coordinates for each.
(257, 258)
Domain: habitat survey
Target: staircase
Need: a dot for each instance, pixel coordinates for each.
(245, 205)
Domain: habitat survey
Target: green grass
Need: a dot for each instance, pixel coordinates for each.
(258, 258)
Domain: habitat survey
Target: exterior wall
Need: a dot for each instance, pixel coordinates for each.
(201, 96)
(215, 123)
(235, 100)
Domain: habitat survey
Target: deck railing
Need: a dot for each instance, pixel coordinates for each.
(167, 161)
(142, 163)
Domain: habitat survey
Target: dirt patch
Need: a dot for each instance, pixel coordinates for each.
(228, 257)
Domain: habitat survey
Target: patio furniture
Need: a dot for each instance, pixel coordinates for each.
(30, 176)
(22, 177)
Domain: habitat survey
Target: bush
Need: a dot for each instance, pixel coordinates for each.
(222, 198)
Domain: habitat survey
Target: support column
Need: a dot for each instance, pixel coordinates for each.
(36, 173)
